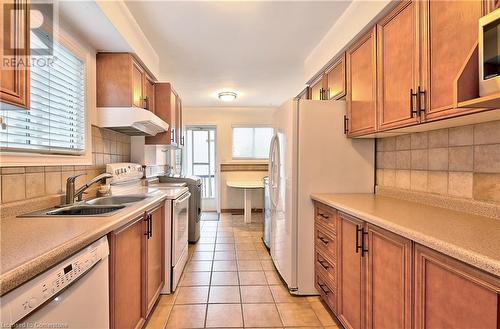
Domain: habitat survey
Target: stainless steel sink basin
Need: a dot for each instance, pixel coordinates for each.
(117, 199)
(84, 210)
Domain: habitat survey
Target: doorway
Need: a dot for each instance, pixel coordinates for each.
(201, 162)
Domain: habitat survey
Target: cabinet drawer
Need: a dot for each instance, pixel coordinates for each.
(326, 267)
(326, 242)
(326, 216)
(327, 292)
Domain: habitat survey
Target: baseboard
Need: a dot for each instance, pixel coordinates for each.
(239, 211)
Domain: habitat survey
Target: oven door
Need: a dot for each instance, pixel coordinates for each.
(180, 207)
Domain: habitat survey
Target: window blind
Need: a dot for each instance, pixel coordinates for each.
(55, 122)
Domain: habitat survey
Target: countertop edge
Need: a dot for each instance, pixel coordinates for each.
(21, 274)
(472, 258)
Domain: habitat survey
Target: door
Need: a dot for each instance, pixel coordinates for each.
(201, 162)
(443, 56)
(14, 47)
(361, 90)
(398, 66)
(155, 248)
(336, 80)
(318, 89)
(126, 273)
(351, 278)
(137, 85)
(389, 277)
(149, 94)
(450, 294)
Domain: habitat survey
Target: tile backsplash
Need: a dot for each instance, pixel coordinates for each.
(461, 162)
(21, 183)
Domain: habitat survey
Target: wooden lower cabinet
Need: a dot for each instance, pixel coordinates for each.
(155, 252)
(126, 276)
(388, 280)
(136, 269)
(380, 280)
(351, 278)
(450, 294)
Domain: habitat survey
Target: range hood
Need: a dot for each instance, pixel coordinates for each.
(132, 121)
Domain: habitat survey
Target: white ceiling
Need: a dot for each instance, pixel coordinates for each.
(255, 48)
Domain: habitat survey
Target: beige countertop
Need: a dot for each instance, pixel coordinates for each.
(470, 238)
(30, 245)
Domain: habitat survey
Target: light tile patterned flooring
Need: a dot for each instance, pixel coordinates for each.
(230, 282)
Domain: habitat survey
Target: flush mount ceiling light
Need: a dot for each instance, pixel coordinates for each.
(227, 96)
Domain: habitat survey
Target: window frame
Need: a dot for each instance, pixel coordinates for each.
(248, 126)
(87, 56)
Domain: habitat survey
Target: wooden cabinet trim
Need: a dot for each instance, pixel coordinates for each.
(407, 120)
(370, 127)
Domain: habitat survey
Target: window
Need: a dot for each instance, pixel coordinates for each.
(251, 142)
(55, 122)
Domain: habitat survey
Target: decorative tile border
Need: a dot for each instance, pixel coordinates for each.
(243, 167)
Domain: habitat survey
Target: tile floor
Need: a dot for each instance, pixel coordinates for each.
(230, 282)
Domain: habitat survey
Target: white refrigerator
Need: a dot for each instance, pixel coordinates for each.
(309, 153)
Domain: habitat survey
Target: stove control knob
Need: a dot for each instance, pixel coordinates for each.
(32, 302)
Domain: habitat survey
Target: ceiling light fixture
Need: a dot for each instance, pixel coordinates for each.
(227, 96)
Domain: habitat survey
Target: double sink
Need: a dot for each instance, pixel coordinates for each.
(102, 206)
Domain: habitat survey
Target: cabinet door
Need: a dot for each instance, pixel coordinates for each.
(450, 34)
(155, 247)
(450, 294)
(317, 90)
(351, 277)
(361, 91)
(389, 278)
(178, 114)
(336, 79)
(398, 66)
(14, 81)
(165, 109)
(137, 85)
(149, 94)
(126, 276)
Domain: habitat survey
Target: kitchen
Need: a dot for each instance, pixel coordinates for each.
(270, 164)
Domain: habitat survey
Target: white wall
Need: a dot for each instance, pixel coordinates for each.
(358, 17)
(224, 119)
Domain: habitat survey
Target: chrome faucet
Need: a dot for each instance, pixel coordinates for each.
(71, 194)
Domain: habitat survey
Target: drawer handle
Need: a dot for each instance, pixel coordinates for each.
(324, 216)
(324, 288)
(324, 240)
(322, 263)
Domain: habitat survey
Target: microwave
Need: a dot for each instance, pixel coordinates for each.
(489, 54)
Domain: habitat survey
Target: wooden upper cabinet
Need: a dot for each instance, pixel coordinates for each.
(451, 33)
(450, 294)
(127, 276)
(398, 66)
(318, 88)
(155, 252)
(351, 276)
(149, 93)
(120, 81)
(179, 130)
(15, 80)
(165, 109)
(389, 280)
(361, 86)
(137, 85)
(335, 79)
